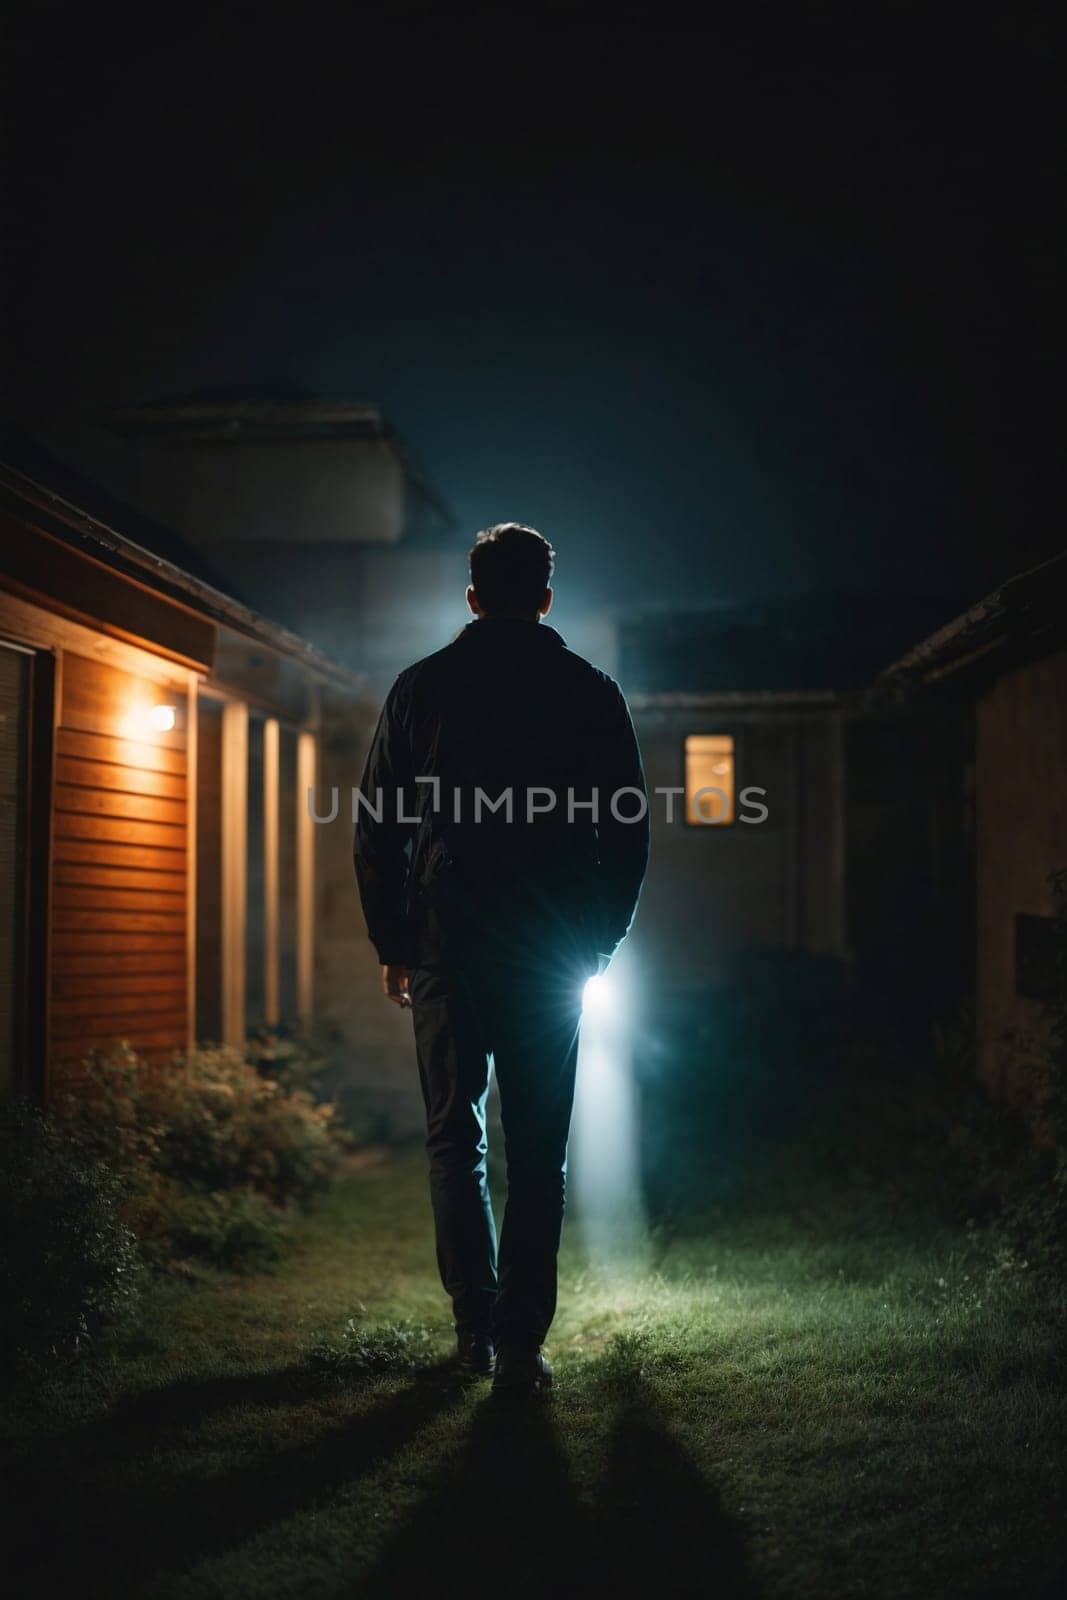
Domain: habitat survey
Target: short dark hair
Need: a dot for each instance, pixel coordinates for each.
(511, 567)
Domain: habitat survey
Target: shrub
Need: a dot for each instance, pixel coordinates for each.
(68, 1263)
(294, 1055)
(206, 1150)
(209, 1121)
(109, 1116)
(229, 1228)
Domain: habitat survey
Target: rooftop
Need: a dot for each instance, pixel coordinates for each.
(798, 644)
(1023, 618)
(279, 411)
(60, 500)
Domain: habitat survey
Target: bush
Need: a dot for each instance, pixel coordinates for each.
(68, 1263)
(296, 1056)
(209, 1121)
(228, 1228)
(207, 1151)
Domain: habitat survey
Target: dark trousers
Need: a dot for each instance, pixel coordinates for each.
(466, 1008)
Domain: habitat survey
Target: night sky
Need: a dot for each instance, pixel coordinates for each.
(729, 309)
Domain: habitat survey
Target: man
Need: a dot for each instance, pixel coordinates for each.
(500, 847)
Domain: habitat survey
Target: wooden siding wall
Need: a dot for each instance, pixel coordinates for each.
(119, 939)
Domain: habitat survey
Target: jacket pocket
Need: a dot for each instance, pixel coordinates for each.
(435, 877)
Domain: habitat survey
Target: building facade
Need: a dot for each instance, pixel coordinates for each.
(834, 827)
(158, 739)
(1002, 665)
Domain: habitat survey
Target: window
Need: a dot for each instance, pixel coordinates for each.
(709, 779)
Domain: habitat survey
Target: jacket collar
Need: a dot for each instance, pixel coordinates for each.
(483, 629)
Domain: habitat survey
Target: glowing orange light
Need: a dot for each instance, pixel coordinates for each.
(142, 720)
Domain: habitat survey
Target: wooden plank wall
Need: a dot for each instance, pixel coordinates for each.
(119, 947)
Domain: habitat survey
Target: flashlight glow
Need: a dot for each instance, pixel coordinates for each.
(596, 996)
(606, 1167)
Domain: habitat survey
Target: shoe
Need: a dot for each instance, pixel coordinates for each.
(521, 1369)
(476, 1354)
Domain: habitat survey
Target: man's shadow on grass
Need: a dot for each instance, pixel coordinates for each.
(511, 1516)
(509, 1510)
(85, 1524)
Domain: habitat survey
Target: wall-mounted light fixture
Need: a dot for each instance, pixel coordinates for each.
(144, 719)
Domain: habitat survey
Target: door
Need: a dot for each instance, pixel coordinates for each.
(26, 687)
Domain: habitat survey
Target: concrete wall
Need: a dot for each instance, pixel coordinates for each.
(1021, 803)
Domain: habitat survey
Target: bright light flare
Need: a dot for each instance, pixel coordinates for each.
(606, 1167)
(142, 720)
(597, 996)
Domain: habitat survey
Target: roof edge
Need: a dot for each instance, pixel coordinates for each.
(225, 421)
(1027, 609)
(81, 529)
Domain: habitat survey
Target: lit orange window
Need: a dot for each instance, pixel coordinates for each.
(709, 778)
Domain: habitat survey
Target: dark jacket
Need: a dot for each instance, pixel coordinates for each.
(505, 707)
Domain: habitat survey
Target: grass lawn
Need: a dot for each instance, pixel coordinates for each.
(786, 1405)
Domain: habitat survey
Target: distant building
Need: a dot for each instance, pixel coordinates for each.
(314, 511)
(820, 832)
(1002, 666)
